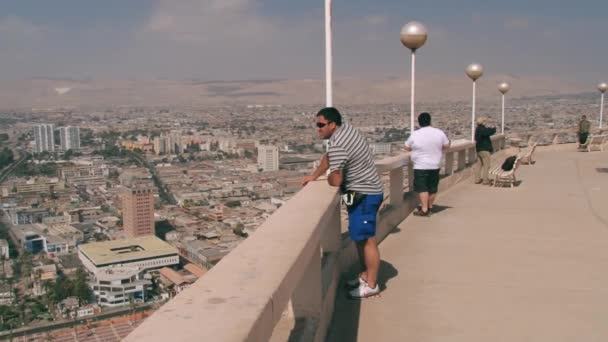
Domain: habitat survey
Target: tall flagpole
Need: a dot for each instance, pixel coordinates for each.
(328, 56)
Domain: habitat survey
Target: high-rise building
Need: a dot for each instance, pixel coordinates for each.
(268, 158)
(177, 145)
(168, 143)
(69, 137)
(44, 137)
(138, 211)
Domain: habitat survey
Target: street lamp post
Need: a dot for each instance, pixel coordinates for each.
(474, 71)
(413, 36)
(504, 88)
(328, 56)
(602, 87)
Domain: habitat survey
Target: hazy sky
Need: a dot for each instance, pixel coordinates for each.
(269, 39)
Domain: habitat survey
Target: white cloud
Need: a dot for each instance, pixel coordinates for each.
(517, 23)
(196, 21)
(13, 27)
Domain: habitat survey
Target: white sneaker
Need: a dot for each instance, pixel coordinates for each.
(364, 291)
(354, 283)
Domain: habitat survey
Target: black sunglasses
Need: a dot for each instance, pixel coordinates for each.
(322, 124)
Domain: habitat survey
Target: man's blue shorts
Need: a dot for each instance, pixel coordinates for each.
(362, 218)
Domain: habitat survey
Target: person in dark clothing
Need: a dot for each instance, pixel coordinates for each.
(583, 130)
(483, 145)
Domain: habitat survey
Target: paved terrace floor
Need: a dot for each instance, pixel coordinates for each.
(498, 264)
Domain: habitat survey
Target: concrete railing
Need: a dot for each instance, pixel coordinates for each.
(290, 268)
(551, 137)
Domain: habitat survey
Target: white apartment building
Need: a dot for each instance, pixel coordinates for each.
(380, 148)
(268, 158)
(69, 137)
(119, 286)
(169, 143)
(44, 136)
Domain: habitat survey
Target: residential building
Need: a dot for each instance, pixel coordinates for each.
(380, 148)
(161, 144)
(27, 215)
(4, 250)
(268, 158)
(204, 253)
(247, 144)
(119, 286)
(69, 138)
(38, 237)
(7, 295)
(297, 163)
(44, 137)
(62, 219)
(146, 252)
(87, 310)
(197, 270)
(175, 282)
(138, 211)
(68, 307)
(168, 143)
(39, 185)
(177, 145)
(83, 170)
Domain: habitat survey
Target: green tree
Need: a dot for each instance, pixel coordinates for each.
(68, 154)
(48, 169)
(233, 204)
(62, 289)
(81, 289)
(25, 265)
(6, 157)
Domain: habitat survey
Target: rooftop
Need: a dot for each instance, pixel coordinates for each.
(120, 251)
(116, 273)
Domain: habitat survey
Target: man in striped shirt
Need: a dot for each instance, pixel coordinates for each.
(351, 164)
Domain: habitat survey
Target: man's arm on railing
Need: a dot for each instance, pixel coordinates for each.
(335, 178)
(321, 169)
(446, 146)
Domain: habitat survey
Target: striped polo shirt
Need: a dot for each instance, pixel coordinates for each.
(348, 151)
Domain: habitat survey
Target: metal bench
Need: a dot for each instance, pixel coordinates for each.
(502, 177)
(525, 157)
(595, 143)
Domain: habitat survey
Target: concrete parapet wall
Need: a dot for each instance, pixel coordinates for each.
(293, 262)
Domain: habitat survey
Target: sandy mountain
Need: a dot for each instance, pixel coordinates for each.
(45, 93)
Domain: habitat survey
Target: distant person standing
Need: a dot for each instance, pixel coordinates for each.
(583, 130)
(427, 145)
(352, 168)
(483, 145)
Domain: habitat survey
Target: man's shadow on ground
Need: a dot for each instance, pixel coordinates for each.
(436, 208)
(515, 184)
(345, 322)
(439, 208)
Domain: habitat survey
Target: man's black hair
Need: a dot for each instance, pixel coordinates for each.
(424, 119)
(331, 114)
